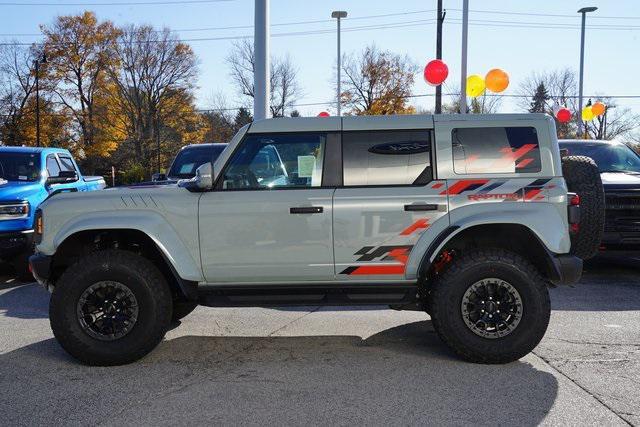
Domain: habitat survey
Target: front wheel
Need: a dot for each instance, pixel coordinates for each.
(490, 306)
(110, 308)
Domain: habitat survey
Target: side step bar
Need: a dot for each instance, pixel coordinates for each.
(287, 295)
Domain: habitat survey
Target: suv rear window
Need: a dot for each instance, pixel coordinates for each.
(495, 150)
(401, 157)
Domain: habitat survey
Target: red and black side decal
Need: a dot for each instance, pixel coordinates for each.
(380, 253)
(464, 185)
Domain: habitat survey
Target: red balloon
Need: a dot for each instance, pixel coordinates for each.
(436, 72)
(323, 114)
(563, 115)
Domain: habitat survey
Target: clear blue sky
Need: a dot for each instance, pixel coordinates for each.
(515, 42)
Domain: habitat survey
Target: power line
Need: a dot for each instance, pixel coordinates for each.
(138, 3)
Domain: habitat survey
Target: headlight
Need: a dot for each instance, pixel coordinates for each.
(14, 210)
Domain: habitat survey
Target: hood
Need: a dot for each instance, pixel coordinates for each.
(620, 181)
(16, 190)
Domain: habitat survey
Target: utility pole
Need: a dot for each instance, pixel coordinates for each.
(338, 14)
(261, 80)
(463, 62)
(37, 62)
(584, 12)
(441, 16)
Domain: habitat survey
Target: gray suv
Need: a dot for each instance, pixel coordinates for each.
(465, 217)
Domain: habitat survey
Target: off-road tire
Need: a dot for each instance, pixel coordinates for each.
(583, 178)
(446, 300)
(182, 308)
(142, 278)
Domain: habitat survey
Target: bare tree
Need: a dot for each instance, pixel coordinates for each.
(377, 82)
(155, 75)
(483, 104)
(283, 80)
(615, 122)
(561, 87)
(17, 83)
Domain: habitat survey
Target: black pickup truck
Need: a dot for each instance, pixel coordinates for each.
(188, 159)
(619, 169)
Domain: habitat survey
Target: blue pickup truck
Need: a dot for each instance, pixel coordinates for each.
(28, 176)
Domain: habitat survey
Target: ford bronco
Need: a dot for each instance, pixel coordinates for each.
(465, 217)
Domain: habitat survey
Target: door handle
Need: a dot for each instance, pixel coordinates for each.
(306, 210)
(423, 207)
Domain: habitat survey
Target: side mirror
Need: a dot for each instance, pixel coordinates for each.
(63, 177)
(203, 180)
(158, 177)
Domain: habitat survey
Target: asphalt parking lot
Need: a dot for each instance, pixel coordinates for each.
(334, 366)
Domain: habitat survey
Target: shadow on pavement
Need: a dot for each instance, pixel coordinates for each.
(607, 284)
(29, 301)
(403, 375)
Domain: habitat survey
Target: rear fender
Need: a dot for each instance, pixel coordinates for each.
(545, 220)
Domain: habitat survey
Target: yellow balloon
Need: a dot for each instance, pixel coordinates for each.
(598, 108)
(497, 80)
(475, 85)
(587, 113)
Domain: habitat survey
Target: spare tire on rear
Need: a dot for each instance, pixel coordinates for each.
(583, 178)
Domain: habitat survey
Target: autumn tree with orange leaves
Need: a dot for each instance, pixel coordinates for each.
(377, 83)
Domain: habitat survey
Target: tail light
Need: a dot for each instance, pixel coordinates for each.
(573, 212)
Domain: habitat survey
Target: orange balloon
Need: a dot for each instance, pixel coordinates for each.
(598, 108)
(496, 80)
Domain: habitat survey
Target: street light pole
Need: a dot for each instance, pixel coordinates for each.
(261, 78)
(463, 67)
(338, 14)
(441, 16)
(584, 12)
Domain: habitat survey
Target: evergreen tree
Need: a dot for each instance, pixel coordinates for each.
(242, 118)
(539, 100)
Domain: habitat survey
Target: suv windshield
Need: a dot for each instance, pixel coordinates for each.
(20, 166)
(191, 158)
(608, 157)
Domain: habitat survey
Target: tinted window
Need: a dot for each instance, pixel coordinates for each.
(386, 157)
(272, 161)
(19, 166)
(608, 157)
(52, 166)
(495, 150)
(66, 164)
(190, 159)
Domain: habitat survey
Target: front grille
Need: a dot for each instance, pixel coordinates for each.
(622, 212)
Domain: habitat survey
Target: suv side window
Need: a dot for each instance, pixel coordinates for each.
(66, 164)
(276, 161)
(53, 169)
(495, 150)
(399, 157)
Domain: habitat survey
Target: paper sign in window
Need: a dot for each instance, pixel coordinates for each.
(306, 165)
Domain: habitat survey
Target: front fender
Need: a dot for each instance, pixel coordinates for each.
(543, 219)
(182, 255)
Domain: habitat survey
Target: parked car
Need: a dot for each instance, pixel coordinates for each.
(619, 168)
(188, 159)
(28, 176)
(466, 217)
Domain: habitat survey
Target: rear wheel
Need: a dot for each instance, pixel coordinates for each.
(583, 178)
(110, 308)
(490, 306)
